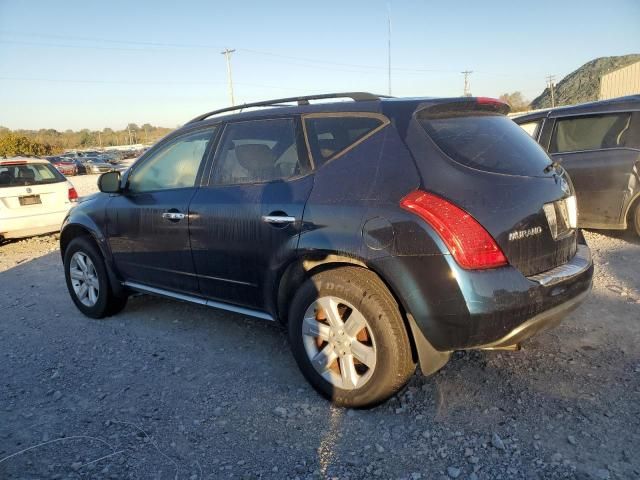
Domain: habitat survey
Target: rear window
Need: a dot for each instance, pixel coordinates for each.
(486, 141)
(594, 132)
(19, 175)
(331, 135)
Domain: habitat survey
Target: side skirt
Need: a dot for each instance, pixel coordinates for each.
(199, 301)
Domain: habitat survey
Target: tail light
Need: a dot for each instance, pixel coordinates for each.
(469, 243)
(73, 195)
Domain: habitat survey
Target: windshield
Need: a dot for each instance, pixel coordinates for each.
(486, 141)
(17, 175)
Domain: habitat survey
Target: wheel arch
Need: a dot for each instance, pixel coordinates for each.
(70, 231)
(302, 268)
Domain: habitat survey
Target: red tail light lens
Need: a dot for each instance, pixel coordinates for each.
(73, 195)
(469, 243)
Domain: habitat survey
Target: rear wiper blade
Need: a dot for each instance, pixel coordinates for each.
(552, 166)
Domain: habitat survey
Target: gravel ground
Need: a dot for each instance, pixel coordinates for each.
(170, 390)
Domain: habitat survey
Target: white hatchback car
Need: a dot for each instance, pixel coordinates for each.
(34, 197)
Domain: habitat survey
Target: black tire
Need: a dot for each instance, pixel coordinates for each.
(366, 292)
(107, 303)
(635, 218)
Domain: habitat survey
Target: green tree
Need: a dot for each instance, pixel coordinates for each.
(13, 145)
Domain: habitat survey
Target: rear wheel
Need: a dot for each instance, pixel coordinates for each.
(87, 280)
(348, 337)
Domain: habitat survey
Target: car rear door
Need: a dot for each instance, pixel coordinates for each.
(246, 222)
(594, 150)
(148, 224)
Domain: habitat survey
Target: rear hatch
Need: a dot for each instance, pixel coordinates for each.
(471, 154)
(31, 189)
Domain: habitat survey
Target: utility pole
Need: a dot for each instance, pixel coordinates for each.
(389, 47)
(129, 128)
(100, 139)
(466, 73)
(227, 53)
(550, 83)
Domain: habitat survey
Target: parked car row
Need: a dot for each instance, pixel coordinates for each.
(77, 163)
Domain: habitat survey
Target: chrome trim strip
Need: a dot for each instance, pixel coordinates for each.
(578, 264)
(279, 219)
(197, 300)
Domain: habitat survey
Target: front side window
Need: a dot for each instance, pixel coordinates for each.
(258, 151)
(594, 132)
(175, 165)
(331, 135)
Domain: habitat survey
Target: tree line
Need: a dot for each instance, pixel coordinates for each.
(50, 141)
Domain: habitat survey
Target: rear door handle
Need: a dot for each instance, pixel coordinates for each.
(278, 220)
(173, 216)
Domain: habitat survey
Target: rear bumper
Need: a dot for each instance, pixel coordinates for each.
(456, 309)
(541, 322)
(29, 225)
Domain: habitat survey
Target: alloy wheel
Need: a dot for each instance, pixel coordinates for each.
(339, 342)
(84, 279)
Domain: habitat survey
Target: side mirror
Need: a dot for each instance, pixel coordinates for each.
(109, 182)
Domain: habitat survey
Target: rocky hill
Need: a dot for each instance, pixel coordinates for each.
(583, 85)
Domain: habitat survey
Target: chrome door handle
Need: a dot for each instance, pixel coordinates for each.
(173, 215)
(278, 219)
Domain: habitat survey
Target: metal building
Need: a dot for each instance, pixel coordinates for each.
(621, 82)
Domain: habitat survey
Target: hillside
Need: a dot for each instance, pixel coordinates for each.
(583, 85)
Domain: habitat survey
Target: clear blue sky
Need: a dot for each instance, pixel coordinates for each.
(73, 64)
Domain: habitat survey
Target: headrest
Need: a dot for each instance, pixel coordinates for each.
(26, 173)
(255, 156)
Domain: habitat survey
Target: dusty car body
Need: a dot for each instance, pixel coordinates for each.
(598, 143)
(372, 229)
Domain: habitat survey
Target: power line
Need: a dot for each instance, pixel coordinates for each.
(205, 46)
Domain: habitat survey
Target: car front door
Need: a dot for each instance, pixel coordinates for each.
(246, 223)
(594, 151)
(148, 224)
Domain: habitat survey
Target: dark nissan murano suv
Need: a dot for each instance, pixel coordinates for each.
(382, 232)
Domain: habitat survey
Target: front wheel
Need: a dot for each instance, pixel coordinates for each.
(348, 337)
(87, 280)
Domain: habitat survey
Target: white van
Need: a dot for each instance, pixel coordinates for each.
(34, 197)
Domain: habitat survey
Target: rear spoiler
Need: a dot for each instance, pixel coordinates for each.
(461, 105)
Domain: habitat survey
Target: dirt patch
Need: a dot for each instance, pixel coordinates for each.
(170, 390)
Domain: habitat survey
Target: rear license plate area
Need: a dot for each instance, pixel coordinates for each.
(30, 200)
(562, 217)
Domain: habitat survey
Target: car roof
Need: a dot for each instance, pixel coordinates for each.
(363, 102)
(627, 103)
(30, 160)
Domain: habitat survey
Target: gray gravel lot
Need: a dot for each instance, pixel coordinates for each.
(170, 390)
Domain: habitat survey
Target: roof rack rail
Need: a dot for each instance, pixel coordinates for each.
(303, 100)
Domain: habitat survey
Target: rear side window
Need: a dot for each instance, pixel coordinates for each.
(258, 151)
(18, 175)
(594, 132)
(486, 141)
(331, 135)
